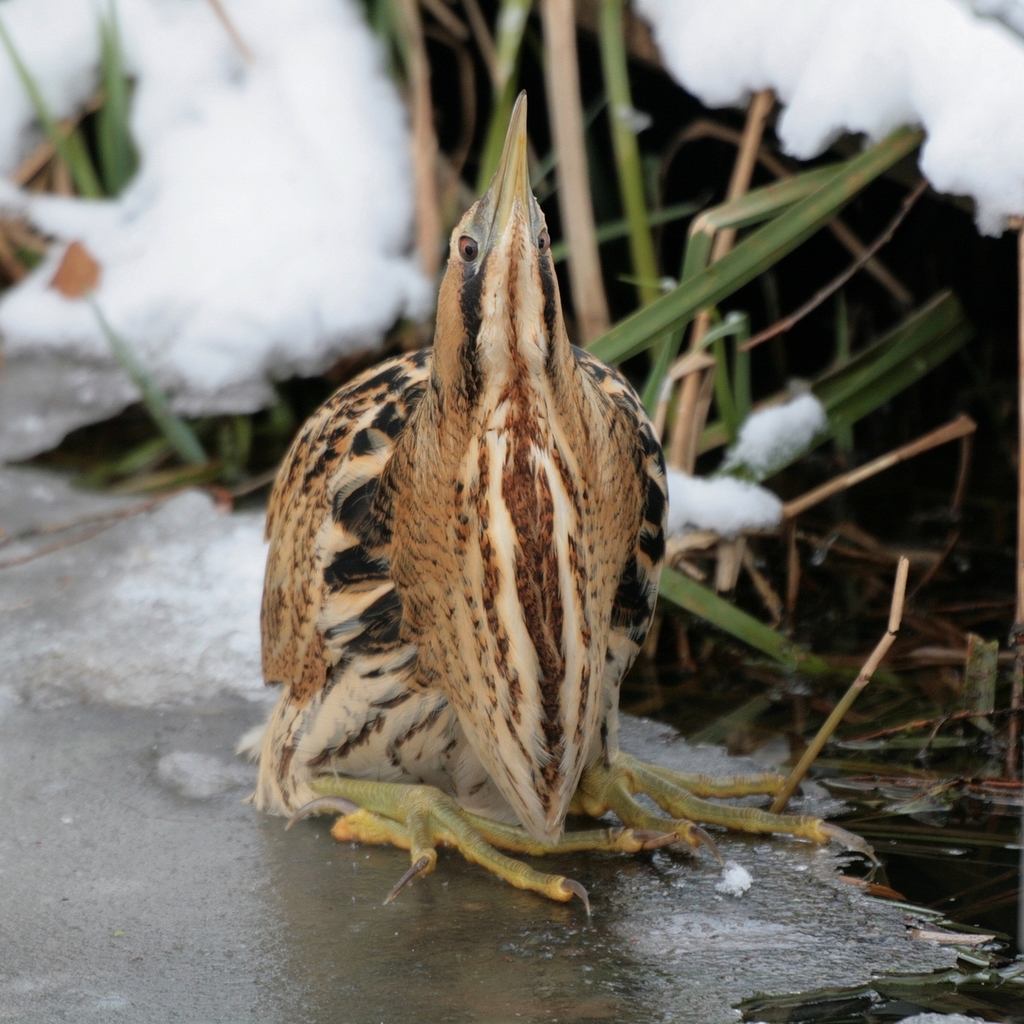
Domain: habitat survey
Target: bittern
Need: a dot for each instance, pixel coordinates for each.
(465, 545)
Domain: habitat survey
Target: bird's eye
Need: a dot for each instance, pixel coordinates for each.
(468, 249)
(544, 241)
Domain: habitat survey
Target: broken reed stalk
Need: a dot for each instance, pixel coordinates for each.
(1017, 635)
(955, 508)
(561, 73)
(703, 128)
(863, 678)
(682, 449)
(692, 362)
(424, 138)
(229, 26)
(783, 325)
(449, 19)
(9, 262)
(93, 525)
(484, 41)
(926, 723)
(962, 426)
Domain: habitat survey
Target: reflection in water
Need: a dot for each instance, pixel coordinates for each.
(459, 945)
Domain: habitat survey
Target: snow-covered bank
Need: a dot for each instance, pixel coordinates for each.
(866, 66)
(162, 607)
(266, 232)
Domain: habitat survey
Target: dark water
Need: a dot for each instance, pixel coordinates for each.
(942, 820)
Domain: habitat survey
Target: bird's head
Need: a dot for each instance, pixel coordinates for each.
(498, 308)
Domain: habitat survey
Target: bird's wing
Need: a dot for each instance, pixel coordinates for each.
(318, 567)
(644, 546)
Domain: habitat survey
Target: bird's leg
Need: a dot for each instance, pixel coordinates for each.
(605, 788)
(420, 818)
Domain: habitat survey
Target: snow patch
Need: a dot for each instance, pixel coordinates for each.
(200, 776)
(772, 437)
(162, 608)
(268, 227)
(941, 1018)
(735, 881)
(723, 504)
(866, 66)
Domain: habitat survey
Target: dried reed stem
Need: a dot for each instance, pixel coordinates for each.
(703, 128)
(229, 27)
(863, 678)
(780, 326)
(960, 427)
(691, 362)
(682, 453)
(448, 18)
(1017, 636)
(424, 138)
(566, 112)
(484, 41)
(9, 263)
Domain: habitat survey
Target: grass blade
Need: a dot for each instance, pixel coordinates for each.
(627, 153)
(70, 147)
(755, 254)
(118, 159)
(614, 229)
(178, 433)
(700, 601)
(879, 372)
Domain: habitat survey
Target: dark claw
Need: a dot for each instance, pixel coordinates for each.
(706, 840)
(849, 840)
(323, 805)
(570, 885)
(652, 840)
(413, 871)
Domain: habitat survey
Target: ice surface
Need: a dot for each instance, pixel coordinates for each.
(866, 66)
(161, 607)
(149, 906)
(201, 776)
(723, 504)
(771, 437)
(735, 881)
(941, 1018)
(266, 232)
(137, 887)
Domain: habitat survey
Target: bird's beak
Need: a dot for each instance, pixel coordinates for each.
(512, 179)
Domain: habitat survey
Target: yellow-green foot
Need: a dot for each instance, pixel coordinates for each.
(421, 818)
(682, 796)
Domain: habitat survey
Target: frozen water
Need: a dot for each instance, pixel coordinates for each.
(723, 504)
(866, 66)
(266, 232)
(138, 887)
(201, 776)
(151, 906)
(735, 881)
(941, 1018)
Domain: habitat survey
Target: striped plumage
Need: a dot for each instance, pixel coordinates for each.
(464, 548)
(465, 545)
(379, 683)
